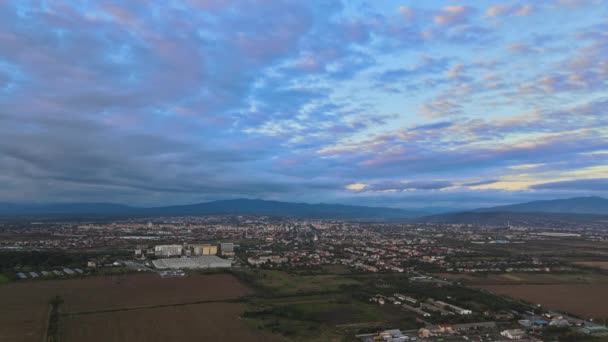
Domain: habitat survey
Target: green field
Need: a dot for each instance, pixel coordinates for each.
(3, 279)
(325, 305)
(323, 317)
(332, 304)
(274, 282)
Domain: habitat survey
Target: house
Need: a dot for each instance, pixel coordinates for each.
(513, 334)
(416, 310)
(595, 330)
(456, 309)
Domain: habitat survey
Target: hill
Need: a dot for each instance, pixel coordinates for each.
(503, 219)
(577, 205)
(288, 209)
(12, 209)
(588, 210)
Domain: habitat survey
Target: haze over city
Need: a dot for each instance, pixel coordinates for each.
(389, 103)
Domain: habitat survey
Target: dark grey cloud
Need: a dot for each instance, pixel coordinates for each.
(485, 182)
(433, 126)
(428, 185)
(176, 102)
(596, 184)
(412, 185)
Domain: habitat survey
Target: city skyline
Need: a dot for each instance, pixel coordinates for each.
(392, 103)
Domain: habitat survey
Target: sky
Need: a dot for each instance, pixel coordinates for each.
(404, 104)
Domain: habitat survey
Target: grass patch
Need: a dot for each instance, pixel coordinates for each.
(316, 306)
(323, 321)
(324, 318)
(4, 279)
(275, 282)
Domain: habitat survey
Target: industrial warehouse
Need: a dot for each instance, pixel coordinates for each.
(187, 256)
(204, 261)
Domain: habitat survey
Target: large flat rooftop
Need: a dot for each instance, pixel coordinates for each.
(205, 261)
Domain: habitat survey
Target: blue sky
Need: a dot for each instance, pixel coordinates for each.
(391, 103)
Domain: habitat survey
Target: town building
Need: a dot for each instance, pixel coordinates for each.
(203, 249)
(227, 249)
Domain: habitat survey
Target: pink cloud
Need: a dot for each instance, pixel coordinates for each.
(407, 12)
(451, 15)
(504, 11)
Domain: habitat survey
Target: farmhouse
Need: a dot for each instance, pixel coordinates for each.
(513, 334)
(416, 310)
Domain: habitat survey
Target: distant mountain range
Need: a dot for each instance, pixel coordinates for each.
(579, 205)
(276, 208)
(518, 219)
(11, 209)
(571, 210)
(224, 207)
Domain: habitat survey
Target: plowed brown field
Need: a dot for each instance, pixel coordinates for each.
(113, 309)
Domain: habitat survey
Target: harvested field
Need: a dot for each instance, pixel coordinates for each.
(559, 247)
(585, 300)
(24, 306)
(199, 322)
(526, 278)
(598, 264)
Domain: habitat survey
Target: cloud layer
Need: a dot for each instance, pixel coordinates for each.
(355, 102)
